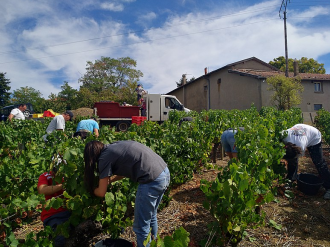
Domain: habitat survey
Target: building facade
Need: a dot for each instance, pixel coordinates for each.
(243, 83)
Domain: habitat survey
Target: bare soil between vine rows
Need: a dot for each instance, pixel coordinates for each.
(305, 220)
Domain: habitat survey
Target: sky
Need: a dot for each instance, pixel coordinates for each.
(44, 43)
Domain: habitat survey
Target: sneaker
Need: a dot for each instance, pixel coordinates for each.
(327, 195)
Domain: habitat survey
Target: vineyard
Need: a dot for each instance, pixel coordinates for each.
(233, 197)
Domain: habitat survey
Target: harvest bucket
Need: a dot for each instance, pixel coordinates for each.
(309, 184)
(114, 243)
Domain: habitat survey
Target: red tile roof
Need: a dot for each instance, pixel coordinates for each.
(266, 74)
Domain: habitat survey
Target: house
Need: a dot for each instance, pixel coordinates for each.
(239, 85)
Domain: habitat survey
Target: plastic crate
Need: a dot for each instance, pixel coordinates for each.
(38, 115)
(138, 120)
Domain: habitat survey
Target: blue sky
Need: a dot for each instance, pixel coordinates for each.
(44, 43)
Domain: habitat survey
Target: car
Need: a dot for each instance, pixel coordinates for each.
(5, 111)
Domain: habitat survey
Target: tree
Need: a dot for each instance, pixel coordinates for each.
(109, 73)
(180, 83)
(86, 98)
(287, 91)
(305, 65)
(68, 94)
(4, 90)
(54, 102)
(28, 95)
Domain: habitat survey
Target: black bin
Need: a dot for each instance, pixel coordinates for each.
(309, 184)
(108, 242)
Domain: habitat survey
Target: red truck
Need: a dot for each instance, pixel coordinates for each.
(113, 114)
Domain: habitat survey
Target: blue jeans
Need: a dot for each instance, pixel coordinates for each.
(228, 141)
(147, 200)
(55, 220)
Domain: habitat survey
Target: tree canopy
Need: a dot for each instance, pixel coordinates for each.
(110, 73)
(305, 65)
(68, 94)
(28, 95)
(287, 91)
(4, 90)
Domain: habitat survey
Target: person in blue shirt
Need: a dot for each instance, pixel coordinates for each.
(86, 127)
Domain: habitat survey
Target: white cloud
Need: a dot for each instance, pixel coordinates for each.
(112, 6)
(148, 17)
(16, 10)
(146, 20)
(311, 12)
(116, 6)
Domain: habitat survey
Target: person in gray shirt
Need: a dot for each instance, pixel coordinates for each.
(129, 159)
(58, 123)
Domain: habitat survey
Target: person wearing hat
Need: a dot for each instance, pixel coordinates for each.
(58, 123)
(140, 91)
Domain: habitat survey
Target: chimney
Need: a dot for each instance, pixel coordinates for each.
(205, 70)
(184, 80)
(295, 68)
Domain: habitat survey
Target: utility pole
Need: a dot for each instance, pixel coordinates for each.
(284, 5)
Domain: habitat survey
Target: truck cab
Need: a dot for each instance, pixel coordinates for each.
(158, 106)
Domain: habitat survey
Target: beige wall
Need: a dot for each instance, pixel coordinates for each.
(234, 91)
(310, 97)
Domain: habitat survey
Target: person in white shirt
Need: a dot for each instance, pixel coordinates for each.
(58, 123)
(17, 113)
(300, 137)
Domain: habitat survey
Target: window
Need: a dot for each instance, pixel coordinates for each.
(205, 88)
(317, 107)
(172, 103)
(317, 87)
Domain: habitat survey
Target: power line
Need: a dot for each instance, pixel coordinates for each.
(139, 31)
(135, 43)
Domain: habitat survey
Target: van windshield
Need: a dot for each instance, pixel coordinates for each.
(172, 103)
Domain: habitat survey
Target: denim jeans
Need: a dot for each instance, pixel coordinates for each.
(147, 200)
(320, 164)
(228, 141)
(55, 220)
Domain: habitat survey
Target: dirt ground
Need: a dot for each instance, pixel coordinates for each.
(304, 220)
